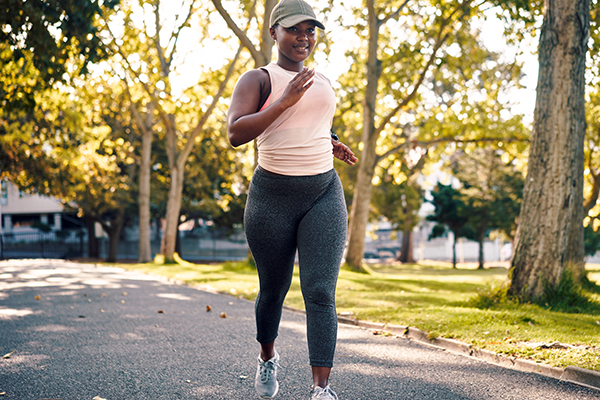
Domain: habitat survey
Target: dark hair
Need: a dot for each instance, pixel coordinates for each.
(275, 25)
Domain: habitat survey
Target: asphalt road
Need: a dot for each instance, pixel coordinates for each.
(77, 331)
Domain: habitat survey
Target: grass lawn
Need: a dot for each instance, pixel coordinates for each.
(436, 299)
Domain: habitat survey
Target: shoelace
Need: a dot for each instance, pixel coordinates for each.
(267, 368)
(326, 393)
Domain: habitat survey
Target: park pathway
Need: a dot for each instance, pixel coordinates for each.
(81, 331)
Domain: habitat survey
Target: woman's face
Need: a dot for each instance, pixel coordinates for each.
(297, 42)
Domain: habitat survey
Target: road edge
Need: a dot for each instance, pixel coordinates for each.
(575, 375)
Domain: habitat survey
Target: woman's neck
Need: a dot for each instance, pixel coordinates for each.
(290, 66)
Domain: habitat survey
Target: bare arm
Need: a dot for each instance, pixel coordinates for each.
(244, 123)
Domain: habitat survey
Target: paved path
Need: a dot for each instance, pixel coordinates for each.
(82, 332)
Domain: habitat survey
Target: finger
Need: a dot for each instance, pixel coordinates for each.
(304, 76)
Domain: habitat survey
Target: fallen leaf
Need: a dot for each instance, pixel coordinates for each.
(44, 366)
(104, 295)
(9, 354)
(161, 312)
(2, 393)
(84, 295)
(191, 383)
(243, 377)
(82, 316)
(223, 315)
(231, 303)
(124, 293)
(98, 398)
(123, 301)
(89, 300)
(101, 310)
(208, 308)
(37, 297)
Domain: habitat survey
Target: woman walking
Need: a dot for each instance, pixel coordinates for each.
(295, 200)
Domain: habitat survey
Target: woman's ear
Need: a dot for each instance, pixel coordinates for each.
(273, 33)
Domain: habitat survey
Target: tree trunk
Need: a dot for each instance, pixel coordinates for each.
(173, 210)
(406, 253)
(359, 215)
(549, 238)
(114, 235)
(144, 250)
(93, 245)
(454, 250)
(480, 240)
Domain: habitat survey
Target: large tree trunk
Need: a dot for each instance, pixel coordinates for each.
(406, 253)
(173, 210)
(144, 250)
(114, 234)
(359, 215)
(407, 250)
(93, 245)
(549, 239)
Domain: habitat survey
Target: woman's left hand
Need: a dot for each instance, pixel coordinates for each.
(343, 152)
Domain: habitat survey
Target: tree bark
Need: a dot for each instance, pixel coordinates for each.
(173, 210)
(93, 247)
(549, 238)
(114, 234)
(454, 250)
(359, 215)
(144, 249)
(406, 253)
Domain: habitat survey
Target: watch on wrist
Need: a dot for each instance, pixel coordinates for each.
(334, 136)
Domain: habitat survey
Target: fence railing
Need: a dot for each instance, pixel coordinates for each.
(42, 245)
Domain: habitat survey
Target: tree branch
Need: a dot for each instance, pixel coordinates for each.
(246, 42)
(420, 143)
(175, 35)
(196, 131)
(394, 14)
(161, 56)
(441, 38)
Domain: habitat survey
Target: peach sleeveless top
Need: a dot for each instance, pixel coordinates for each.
(299, 141)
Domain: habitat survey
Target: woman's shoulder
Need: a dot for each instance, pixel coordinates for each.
(255, 75)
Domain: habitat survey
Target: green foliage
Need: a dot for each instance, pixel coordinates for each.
(591, 240)
(568, 296)
(42, 227)
(398, 199)
(451, 211)
(47, 39)
(492, 189)
(489, 297)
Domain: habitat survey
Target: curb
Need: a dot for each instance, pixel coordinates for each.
(571, 374)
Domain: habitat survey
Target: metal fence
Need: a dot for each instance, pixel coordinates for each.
(69, 244)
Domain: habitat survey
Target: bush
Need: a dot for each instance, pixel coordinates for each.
(568, 296)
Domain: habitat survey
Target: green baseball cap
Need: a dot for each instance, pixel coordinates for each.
(288, 13)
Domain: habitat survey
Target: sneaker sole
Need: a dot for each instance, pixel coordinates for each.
(274, 394)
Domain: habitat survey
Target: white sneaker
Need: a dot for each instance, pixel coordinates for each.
(265, 381)
(319, 393)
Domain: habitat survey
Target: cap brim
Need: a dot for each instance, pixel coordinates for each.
(296, 19)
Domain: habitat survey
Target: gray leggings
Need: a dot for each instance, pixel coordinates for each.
(308, 213)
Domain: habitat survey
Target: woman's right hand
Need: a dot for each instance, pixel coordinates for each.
(297, 87)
